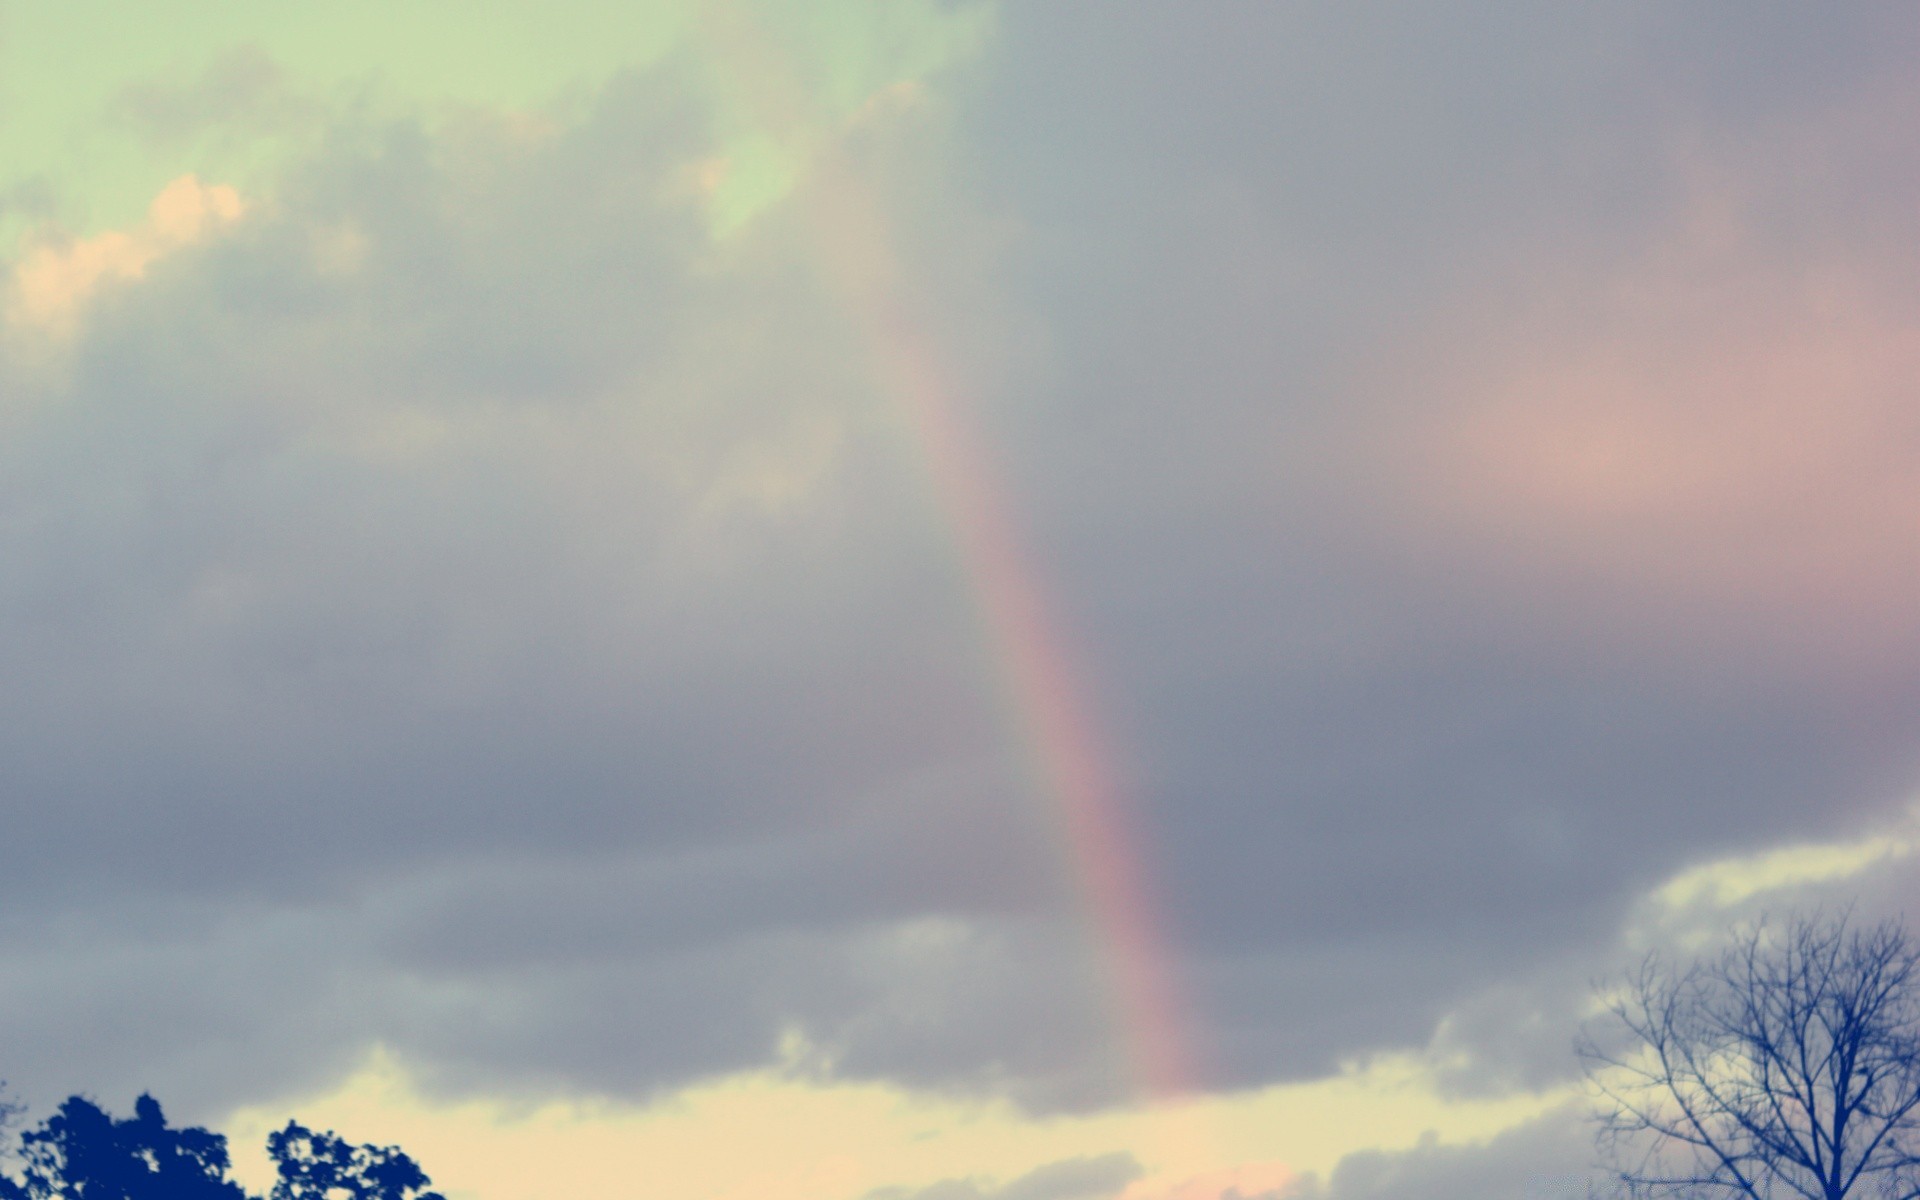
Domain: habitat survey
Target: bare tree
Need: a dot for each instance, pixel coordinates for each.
(1789, 1066)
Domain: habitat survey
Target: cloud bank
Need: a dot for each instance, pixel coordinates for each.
(479, 595)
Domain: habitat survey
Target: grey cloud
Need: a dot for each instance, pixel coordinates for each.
(1545, 1159)
(1383, 773)
(207, 1001)
(1517, 1034)
(454, 572)
(242, 88)
(495, 621)
(1069, 1179)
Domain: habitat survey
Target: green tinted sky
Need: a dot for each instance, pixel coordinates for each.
(102, 102)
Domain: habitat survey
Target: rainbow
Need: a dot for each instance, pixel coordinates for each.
(1047, 701)
(1048, 706)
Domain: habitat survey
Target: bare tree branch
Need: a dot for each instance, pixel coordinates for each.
(1789, 1066)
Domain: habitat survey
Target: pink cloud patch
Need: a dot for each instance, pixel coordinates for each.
(1716, 438)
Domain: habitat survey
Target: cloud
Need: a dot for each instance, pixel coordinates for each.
(1516, 1034)
(470, 607)
(1415, 704)
(1708, 431)
(244, 87)
(1727, 883)
(817, 1140)
(1246, 1181)
(527, 633)
(53, 280)
(1542, 1160)
(1069, 1179)
(828, 1138)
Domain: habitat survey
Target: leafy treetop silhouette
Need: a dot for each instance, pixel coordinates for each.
(320, 1166)
(82, 1153)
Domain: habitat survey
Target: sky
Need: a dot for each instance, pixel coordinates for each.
(937, 600)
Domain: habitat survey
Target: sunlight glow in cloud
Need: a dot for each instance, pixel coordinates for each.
(816, 1140)
(53, 281)
(1727, 883)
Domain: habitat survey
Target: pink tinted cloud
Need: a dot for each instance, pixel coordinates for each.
(1715, 436)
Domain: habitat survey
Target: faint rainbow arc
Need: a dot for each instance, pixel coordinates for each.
(1051, 713)
(857, 260)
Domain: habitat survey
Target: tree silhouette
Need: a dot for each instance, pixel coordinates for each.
(82, 1153)
(320, 1166)
(1789, 1066)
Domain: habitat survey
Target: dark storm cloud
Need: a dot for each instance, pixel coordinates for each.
(462, 607)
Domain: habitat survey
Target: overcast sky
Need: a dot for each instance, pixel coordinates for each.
(1063, 600)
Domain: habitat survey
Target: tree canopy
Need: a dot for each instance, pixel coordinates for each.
(83, 1153)
(320, 1166)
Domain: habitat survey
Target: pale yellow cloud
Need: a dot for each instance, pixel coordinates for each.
(52, 282)
(1693, 906)
(1724, 883)
(774, 1136)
